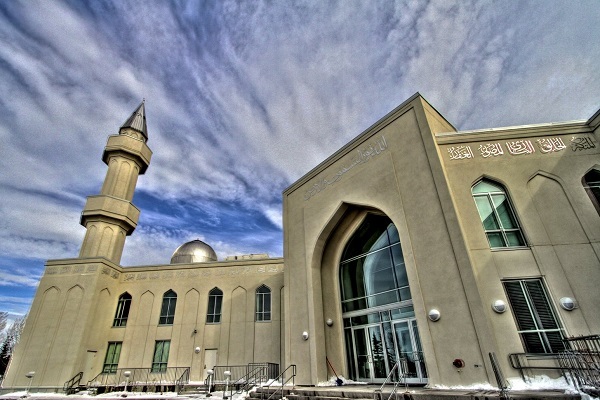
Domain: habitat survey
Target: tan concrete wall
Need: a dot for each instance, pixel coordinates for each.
(405, 182)
(559, 222)
(71, 319)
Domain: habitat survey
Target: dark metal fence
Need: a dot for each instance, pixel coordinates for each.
(240, 371)
(578, 363)
(582, 360)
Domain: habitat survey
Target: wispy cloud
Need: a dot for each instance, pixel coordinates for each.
(243, 98)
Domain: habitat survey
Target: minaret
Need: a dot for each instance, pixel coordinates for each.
(110, 216)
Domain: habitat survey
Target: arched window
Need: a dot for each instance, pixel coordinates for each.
(591, 183)
(497, 216)
(372, 271)
(167, 311)
(263, 303)
(215, 301)
(379, 321)
(122, 310)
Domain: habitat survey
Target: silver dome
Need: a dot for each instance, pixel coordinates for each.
(193, 252)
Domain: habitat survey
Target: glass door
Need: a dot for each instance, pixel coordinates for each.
(408, 347)
(370, 353)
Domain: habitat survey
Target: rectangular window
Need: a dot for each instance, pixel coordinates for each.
(536, 320)
(161, 355)
(111, 361)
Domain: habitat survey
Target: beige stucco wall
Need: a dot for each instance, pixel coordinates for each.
(411, 179)
(405, 182)
(70, 323)
(558, 219)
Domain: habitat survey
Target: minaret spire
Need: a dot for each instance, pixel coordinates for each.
(137, 121)
(110, 216)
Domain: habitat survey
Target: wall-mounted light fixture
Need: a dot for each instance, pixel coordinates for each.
(197, 350)
(568, 303)
(499, 306)
(434, 315)
(305, 335)
(329, 322)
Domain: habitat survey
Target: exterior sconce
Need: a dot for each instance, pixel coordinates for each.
(434, 315)
(568, 303)
(329, 322)
(305, 335)
(499, 306)
(197, 350)
(458, 363)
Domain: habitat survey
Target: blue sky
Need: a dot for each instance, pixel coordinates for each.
(243, 98)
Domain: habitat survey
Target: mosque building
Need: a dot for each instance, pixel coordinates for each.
(414, 242)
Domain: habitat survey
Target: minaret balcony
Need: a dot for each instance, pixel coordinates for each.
(130, 145)
(110, 208)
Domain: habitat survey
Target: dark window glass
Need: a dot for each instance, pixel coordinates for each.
(263, 303)
(497, 216)
(377, 276)
(122, 312)
(111, 361)
(161, 355)
(167, 311)
(536, 320)
(215, 301)
(591, 183)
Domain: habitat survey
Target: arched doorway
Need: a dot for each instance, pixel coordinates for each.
(380, 328)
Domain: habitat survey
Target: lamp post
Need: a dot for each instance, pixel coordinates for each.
(210, 373)
(227, 375)
(127, 375)
(29, 376)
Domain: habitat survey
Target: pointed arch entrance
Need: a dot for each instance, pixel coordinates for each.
(380, 328)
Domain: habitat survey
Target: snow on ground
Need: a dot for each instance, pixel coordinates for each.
(537, 383)
(333, 382)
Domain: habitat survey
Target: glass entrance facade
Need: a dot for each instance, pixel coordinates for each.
(379, 323)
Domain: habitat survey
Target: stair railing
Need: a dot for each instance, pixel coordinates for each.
(183, 379)
(282, 383)
(248, 381)
(402, 367)
(72, 383)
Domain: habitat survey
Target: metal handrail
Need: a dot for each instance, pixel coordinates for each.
(249, 379)
(283, 383)
(183, 379)
(170, 376)
(403, 367)
(71, 383)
